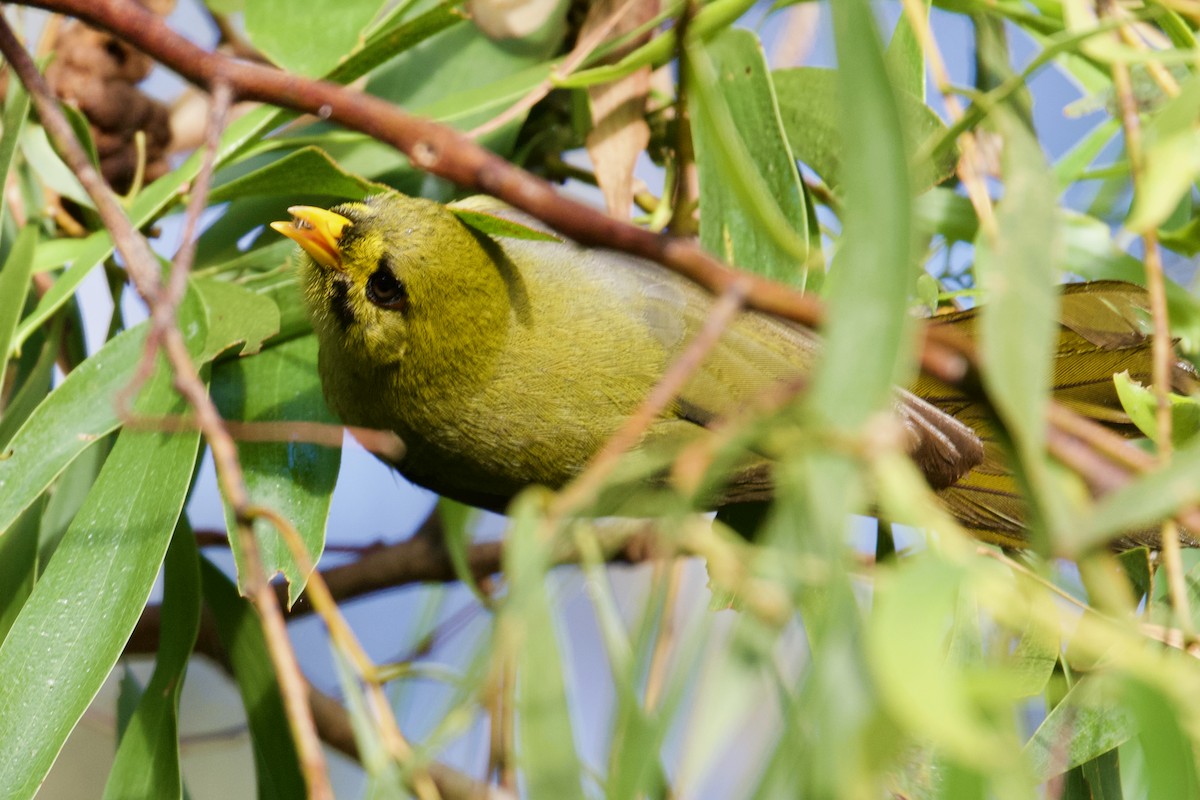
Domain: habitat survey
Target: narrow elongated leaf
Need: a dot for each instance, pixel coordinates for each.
(499, 227)
(915, 677)
(905, 57)
(147, 763)
(306, 171)
(41, 156)
(294, 478)
(710, 20)
(456, 530)
(76, 622)
(16, 111)
(809, 103)
(1019, 321)
(1172, 159)
(276, 764)
(1085, 724)
(386, 780)
(874, 274)
(1142, 405)
(546, 743)
(1170, 755)
(150, 203)
(14, 288)
(75, 415)
(312, 40)
(730, 227)
(34, 378)
(81, 409)
(1144, 501)
(18, 565)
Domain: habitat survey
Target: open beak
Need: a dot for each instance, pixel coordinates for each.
(317, 231)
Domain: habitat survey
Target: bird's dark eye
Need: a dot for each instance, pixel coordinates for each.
(386, 291)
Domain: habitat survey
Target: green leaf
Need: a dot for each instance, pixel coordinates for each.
(75, 624)
(307, 171)
(874, 274)
(1141, 404)
(68, 494)
(1168, 749)
(1136, 564)
(14, 289)
(1085, 724)
(546, 744)
(386, 780)
(82, 409)
(1144, 501)
(128, 697)
(465, 109)
(389, 41)
(148, 205)
(309, 40)
(293, 477)
(16, 112)
(749, 184)
(1032, 661)
(906, 58)
(1103, 775)
(922, 687)
(76, 414)
(499, 227)
(18, 565)
(1017, 268)
(1172, 153)
(236, 315)
(456, 530)
(713, 18)
(147, 762)
(275, 759)
(41, 156)
(809, 103)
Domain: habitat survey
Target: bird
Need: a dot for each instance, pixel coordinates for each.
(504, 360)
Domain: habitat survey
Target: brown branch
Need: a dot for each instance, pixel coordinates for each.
(142, 267)
(444, 152)
(330, 717)
(336, 731)
(422, 558)
(1163, 349)
(432, 147)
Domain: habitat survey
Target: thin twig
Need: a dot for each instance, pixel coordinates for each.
(1162, 352)
(143, 269)
(434, 148)
(344, 639)
(656, 674)
(969, 166)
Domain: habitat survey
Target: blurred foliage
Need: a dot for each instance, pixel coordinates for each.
(946, 669)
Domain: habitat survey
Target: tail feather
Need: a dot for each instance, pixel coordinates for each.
(1105, 330)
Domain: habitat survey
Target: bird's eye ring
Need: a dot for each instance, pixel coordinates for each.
(386, 291)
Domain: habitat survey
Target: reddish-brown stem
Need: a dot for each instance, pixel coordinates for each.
(142, 267)
(432, 147)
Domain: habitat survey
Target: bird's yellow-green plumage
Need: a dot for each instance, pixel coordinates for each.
(503, 362)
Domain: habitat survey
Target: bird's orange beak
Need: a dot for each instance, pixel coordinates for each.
(317, 231)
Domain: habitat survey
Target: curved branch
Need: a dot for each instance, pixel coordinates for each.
(443, 151)
(432, 147)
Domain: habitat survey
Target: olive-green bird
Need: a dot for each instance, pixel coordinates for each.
(503, 362)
